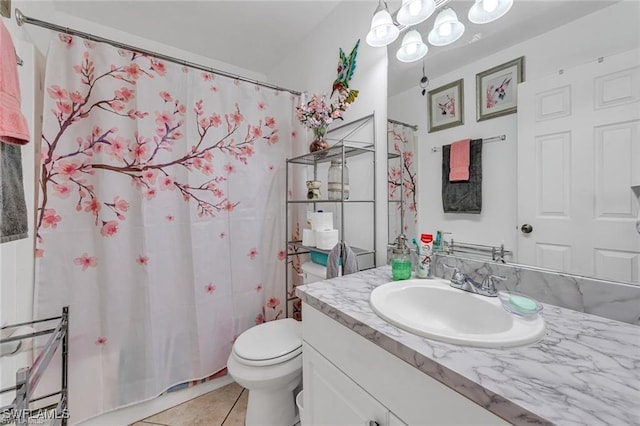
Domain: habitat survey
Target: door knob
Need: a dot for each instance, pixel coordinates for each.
(526, 228)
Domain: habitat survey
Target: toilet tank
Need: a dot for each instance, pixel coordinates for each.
(312, 272)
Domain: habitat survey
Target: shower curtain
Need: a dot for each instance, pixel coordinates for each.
(402, 180)
(160, 217)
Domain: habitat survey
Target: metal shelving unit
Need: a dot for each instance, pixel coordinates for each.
(345, 146)
(27, 378)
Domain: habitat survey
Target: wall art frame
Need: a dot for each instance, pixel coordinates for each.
(497, 89)
(446, 106)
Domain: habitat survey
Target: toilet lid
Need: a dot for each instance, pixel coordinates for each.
(269, 343)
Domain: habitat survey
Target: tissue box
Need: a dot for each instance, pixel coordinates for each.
(321, 258)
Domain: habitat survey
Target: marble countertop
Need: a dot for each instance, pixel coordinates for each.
(585, 371)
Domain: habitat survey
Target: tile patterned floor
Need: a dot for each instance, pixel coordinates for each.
(223, 407)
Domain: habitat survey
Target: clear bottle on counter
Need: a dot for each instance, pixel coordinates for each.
(338, 180)
(401, 265)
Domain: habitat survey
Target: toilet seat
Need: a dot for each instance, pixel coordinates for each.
(270, 343)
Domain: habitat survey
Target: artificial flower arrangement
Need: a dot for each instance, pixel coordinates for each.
(321, 110)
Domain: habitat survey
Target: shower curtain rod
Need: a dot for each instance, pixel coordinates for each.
(21, 19)
(411, 126)
(484, 140)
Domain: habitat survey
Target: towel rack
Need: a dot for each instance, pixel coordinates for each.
(484, 140)
(27, 378)
(498, 253)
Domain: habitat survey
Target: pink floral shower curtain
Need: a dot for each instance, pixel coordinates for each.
(402, 180)
(160, 219)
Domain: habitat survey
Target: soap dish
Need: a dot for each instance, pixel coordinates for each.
(519, 304)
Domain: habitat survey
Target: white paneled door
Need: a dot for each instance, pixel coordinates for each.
(578, 156)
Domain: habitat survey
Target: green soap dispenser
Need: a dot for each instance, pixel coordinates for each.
(401, 260)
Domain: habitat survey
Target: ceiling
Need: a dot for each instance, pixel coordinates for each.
(257, 34)
(251, 34)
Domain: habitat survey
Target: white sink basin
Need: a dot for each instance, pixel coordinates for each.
(433, 309)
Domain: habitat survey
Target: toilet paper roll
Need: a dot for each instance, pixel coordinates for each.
(16, 346)
(326, 239)
(309, 237)
(320, 220)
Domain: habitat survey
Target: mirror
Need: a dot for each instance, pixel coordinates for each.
(556, 41)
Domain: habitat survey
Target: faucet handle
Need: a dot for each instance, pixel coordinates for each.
(457, 277)
(489, 283)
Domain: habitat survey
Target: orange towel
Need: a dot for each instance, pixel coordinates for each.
(13, 125)
(459, 161)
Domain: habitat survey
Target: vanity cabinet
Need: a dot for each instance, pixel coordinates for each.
(354, 216)
(334, 398)
(349, 380)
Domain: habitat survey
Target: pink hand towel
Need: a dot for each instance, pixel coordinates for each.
(13, 125)
(459, 161)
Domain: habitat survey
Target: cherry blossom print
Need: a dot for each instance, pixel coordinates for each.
(66, 39)
(50, 219)
(100, 341)
(56, 92)
(222, 235)
(259, 319)
(294, 134)
(273, 302)
(92, 206)
(253, 253)
(167, 183)
(207, 76)
(170, 218)
(39, 253)
(150, 175)
(270, 122)
(214, 88)
(150, 194)
(229, 168)
(262, 106)
(142, 260)
(85, 261)
(259, 287)
(89, 44)
(62, 190)
(124, 94)
(133, 71)
(166, 96)
(76, 97)
(282, 255)
(159, 67)
(210, 288)
(109, 229)
(273, 138)
(271, 167)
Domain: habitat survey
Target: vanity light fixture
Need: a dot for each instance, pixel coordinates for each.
(413, 12)
(383, 31)
(446, 29)
(413, 48)
(485, 11)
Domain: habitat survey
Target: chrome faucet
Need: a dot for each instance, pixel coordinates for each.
(462, 281)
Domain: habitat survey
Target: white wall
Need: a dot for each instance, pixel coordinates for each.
(612, 30)
(312, 67)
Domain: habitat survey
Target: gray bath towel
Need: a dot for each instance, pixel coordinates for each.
(13, 209)
(349, 260)
(463, 197)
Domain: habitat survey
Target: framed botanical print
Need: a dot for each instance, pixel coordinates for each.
(496, 89)
(446, 105)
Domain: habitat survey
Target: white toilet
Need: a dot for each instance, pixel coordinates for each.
(267, 360)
